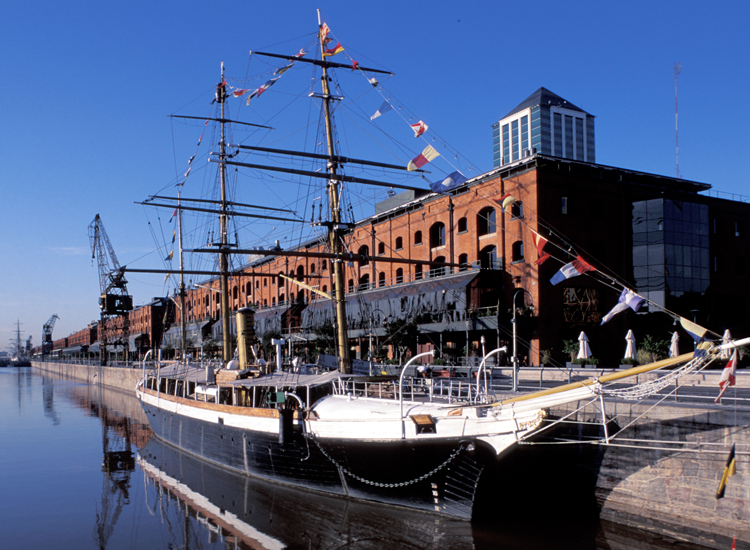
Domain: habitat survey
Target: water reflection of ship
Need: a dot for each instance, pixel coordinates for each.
(250, 513)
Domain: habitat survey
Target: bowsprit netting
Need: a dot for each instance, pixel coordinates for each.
(647, 389)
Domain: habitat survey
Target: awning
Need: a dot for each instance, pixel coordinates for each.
(196, 334)
(268, 312)
(135, 341)
(217, 330)
(94, 348)
(270, 319)
(430, 299)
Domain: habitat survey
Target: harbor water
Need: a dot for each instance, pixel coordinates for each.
(79, 469)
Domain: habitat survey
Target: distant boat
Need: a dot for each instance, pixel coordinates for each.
(19, 358)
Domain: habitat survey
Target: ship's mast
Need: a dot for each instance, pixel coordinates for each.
(335, 229)
(183, 322)
(223, 245)
(18, 339)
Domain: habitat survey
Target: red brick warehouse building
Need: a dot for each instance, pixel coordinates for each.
(664, 237)
(661, 236)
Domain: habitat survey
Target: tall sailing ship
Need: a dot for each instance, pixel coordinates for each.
(388, 439)
(19, 357)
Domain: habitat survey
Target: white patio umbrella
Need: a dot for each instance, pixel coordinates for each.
(584, 350)
(630, 348)
(674, 348)
(726, 339)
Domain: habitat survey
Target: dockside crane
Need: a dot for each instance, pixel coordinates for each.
(114, 300)
(47, 334)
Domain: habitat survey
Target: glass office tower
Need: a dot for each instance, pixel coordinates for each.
(546, 124)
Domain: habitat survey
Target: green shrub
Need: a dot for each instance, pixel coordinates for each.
(570, 347)
(593, 361)
(657, 349)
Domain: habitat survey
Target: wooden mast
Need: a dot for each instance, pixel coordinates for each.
(223, 244)
(183, 313)
(335, 229)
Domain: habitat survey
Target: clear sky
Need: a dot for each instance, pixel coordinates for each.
(88, 87)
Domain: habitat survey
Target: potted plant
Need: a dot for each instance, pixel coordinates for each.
(593, 361)
(655, 348)
(627, 362)
(570, 347)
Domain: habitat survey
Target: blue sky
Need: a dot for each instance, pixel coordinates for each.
(88, 87)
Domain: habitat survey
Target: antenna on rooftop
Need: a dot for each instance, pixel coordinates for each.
(677, 69)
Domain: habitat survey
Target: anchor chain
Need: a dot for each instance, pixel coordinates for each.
(351, 474)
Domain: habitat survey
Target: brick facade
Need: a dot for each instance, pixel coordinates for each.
(585, 205)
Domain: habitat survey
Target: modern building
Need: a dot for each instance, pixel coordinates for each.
(547, 124)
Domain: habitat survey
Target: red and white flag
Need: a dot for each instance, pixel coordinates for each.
(324, 30)
(577, 267)
(419, 128)
(428, 155)
(728, 376)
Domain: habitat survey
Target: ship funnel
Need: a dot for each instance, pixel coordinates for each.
(245, 336)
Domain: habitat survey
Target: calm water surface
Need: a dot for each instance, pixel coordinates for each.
(79, 469)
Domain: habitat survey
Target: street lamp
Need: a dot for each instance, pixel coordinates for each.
(372, 322)
(515, 340)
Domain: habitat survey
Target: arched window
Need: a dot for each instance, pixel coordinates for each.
(488, 258)
(486, 221)
(235, 293)
(381, 278)
(437, 235)
(363, 251)
(257, 284)
(437, 269)
(351, 285)
(517, 251)
(462, 225)
(516, 210)
(273, 302)
(399, 243)
(301, 273)
(418, 271)
(381, 249)
(463, 259)
(265, 282)
(281, 297)
(248, 288)
(417, 238)
(325, 289)
(364, 282)
(399, 275)
(312, 268)
(324, 265)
